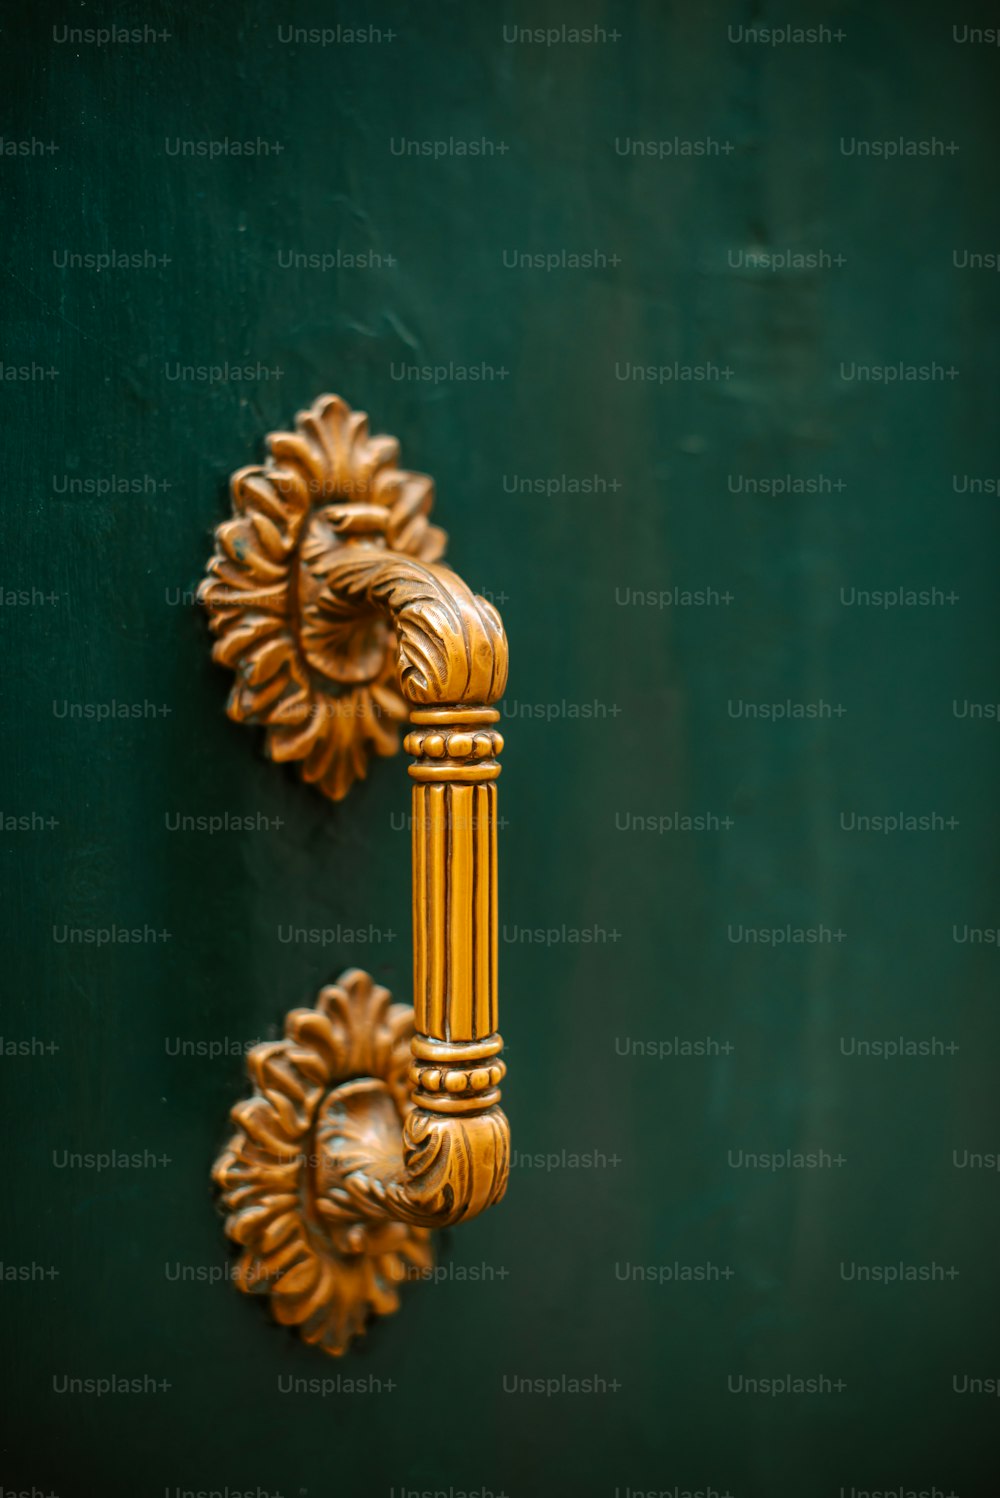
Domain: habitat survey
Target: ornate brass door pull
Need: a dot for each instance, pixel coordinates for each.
(370, 1123)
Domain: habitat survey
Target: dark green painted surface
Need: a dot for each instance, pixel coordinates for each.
(888, 516)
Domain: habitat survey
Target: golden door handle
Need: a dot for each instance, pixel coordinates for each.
(370, 1123)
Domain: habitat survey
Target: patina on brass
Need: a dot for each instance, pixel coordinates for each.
(370, 1123)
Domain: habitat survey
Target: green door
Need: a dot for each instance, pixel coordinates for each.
(693, 323)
